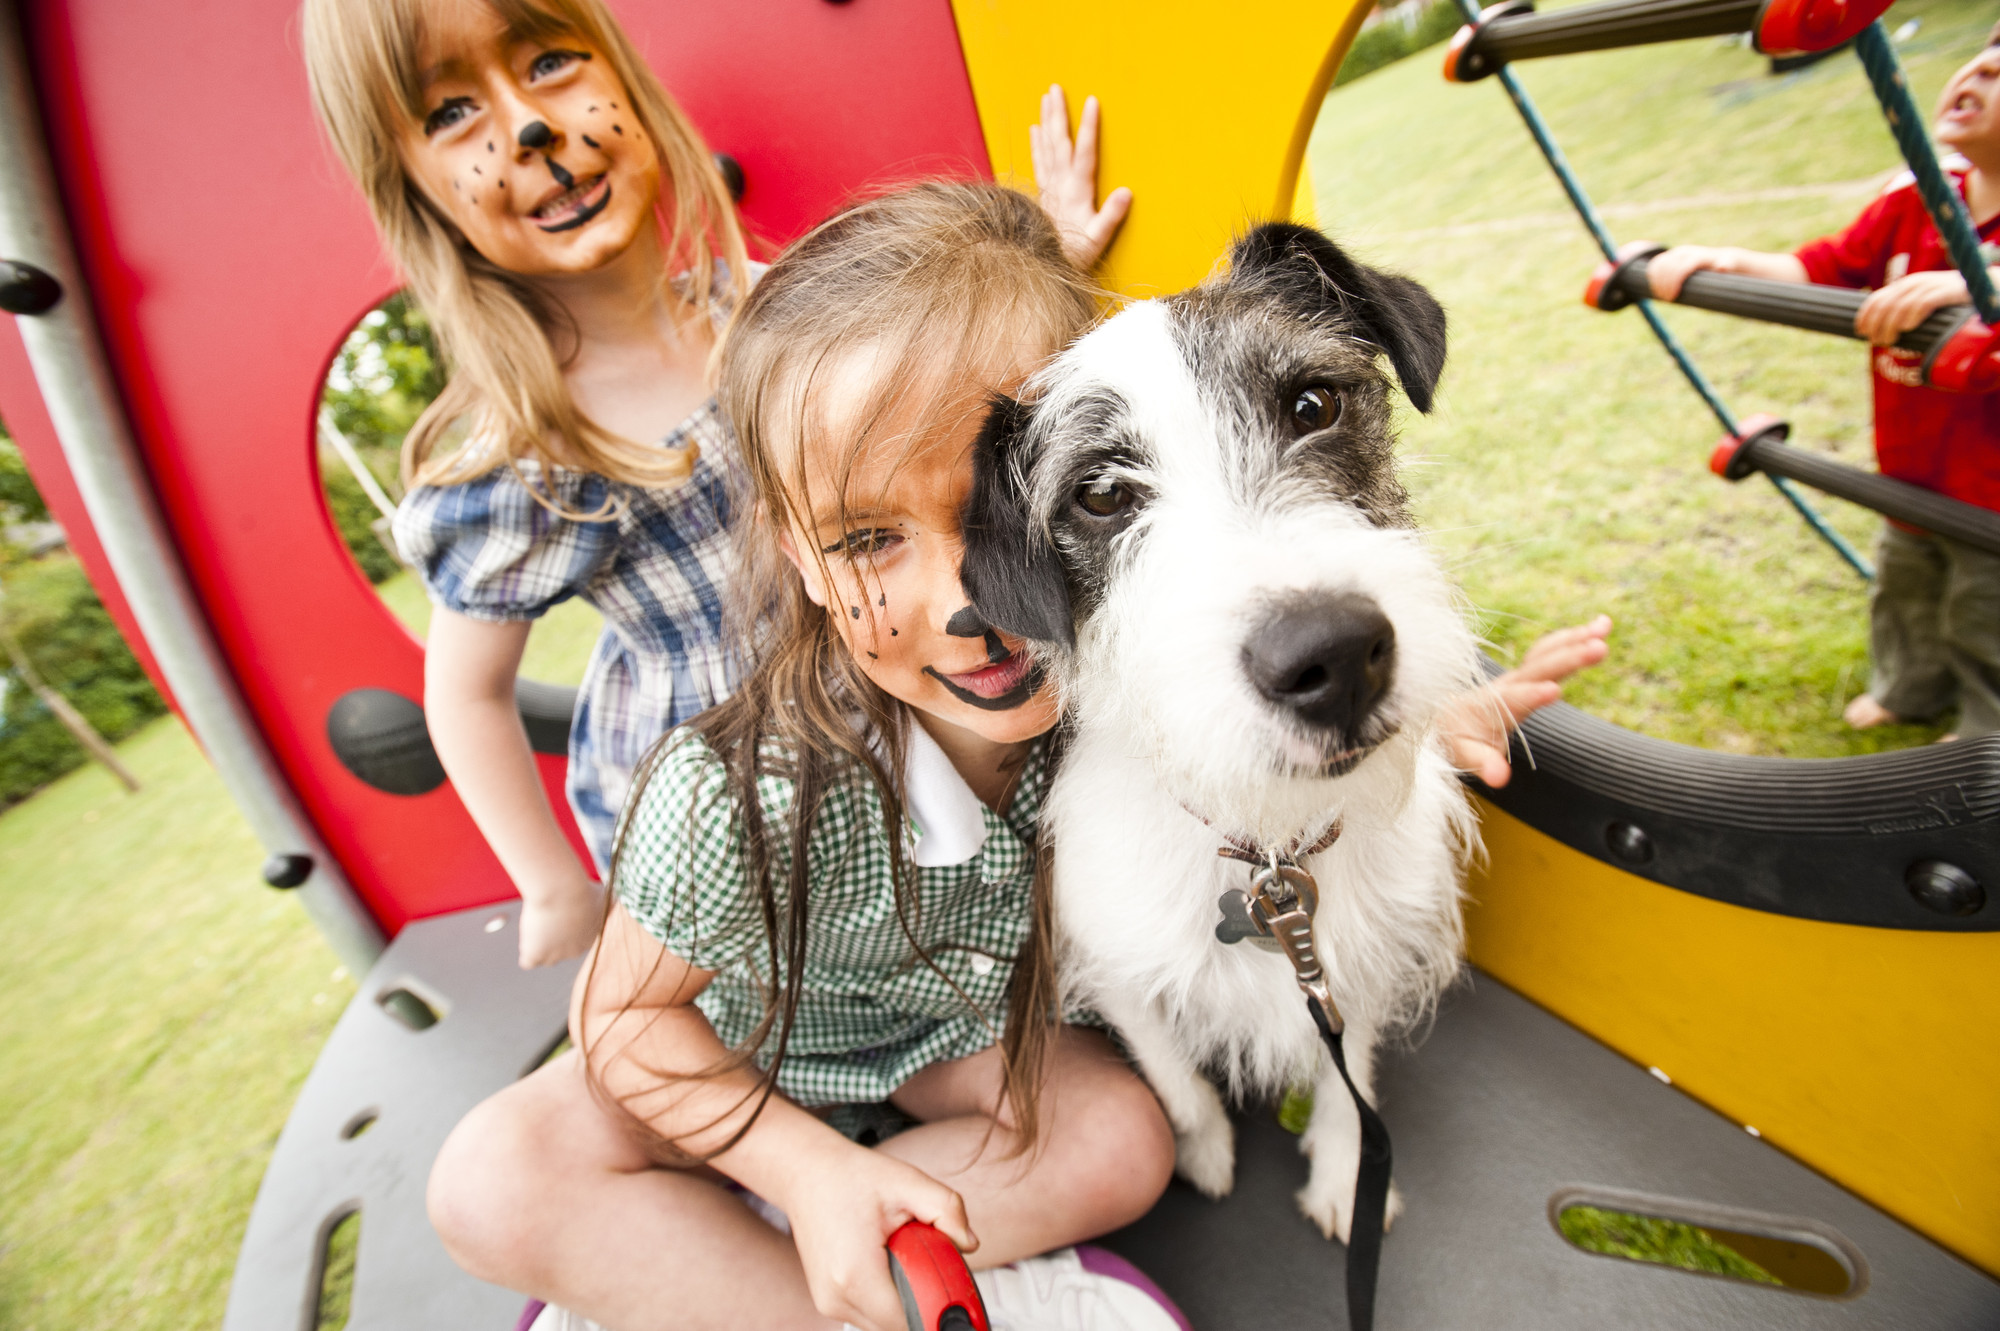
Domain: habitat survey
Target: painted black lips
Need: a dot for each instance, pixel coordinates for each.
(1012, 698)
(593, 210)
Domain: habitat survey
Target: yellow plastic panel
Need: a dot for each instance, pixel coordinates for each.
(1872, 1055)
(1206, 110)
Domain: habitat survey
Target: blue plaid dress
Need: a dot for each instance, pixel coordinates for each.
(487, 550)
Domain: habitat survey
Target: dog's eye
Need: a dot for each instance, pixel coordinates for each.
(1314, 409)
(1103, 497)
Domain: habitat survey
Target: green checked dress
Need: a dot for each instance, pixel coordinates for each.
(872, 1013)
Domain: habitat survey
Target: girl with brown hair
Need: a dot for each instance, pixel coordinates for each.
(567, 232)
(831, 914)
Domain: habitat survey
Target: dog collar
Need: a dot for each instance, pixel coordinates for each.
(1242, 848)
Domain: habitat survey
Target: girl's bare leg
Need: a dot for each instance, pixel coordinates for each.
(541, 1190)
(1104, 1156)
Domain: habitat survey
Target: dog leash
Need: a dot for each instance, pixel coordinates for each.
(1279, 907)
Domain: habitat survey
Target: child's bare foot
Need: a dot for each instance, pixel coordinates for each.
(1946, 739)
(1864, 712)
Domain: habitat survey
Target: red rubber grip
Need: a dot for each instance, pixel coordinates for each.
(936, 1284)
(1966, 362)
(1796, 27)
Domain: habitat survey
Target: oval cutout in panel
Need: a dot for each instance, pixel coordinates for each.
(408, 1003)
(1792, 1253)
(333, 1276)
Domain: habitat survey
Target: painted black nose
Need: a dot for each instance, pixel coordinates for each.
(536, 134)
(1326, 658)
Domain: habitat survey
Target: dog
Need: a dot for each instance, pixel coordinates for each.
(1194, 516)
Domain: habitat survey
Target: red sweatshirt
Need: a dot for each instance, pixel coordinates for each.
(1948, 442)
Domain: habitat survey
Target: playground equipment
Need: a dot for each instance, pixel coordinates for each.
(1514, 31)
(1806, 948)
(1961, 353)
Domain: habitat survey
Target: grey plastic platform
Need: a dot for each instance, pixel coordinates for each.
(497, 1023)
(1499, 1109)
(1502, 1107)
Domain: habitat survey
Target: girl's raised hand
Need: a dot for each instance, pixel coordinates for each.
(844, 1209)
(1476, 724)
(1067, 178)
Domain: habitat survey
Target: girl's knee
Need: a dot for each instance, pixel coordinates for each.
(1125, 1149)
(481, 1196)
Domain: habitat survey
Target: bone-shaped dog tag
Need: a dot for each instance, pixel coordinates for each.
(1238, 924)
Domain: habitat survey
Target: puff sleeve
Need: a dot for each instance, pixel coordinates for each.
(489, 550)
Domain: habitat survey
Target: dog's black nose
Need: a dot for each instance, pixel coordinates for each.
(1326, 657)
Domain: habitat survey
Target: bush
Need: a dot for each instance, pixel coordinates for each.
(1390, 40)
(354, 515)
(19, 500)
(72, 642)
(387, 371)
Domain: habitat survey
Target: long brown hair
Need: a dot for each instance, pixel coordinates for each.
(506, 389)
(922, 286)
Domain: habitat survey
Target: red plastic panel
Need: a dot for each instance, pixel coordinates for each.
(228, 255)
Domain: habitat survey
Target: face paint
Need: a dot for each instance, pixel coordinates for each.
(1030, 677)
(897, 529)
(483, 86)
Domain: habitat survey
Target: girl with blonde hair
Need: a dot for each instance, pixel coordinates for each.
(831, 918)
(568, 234)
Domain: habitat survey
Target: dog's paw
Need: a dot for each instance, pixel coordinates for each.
(1206, 1157)
(1332, 1207)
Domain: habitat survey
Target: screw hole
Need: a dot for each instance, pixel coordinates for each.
(1629, 842)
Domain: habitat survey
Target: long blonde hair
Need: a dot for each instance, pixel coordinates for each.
(921, 285)
(506, 389)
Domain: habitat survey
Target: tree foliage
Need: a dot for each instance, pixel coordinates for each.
(65, 631)
(19, 500)
(1390, 40)
(385, 374)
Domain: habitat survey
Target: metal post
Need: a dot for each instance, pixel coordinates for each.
(1948, 211)
(83, 402)
(1544, 140)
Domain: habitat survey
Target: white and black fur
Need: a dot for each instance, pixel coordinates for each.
(1198, 521)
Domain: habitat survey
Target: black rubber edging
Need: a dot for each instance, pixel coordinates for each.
(1829, 839)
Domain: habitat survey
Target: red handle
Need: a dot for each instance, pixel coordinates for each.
(936, 1284)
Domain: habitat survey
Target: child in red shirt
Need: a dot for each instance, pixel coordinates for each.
(1934, 629)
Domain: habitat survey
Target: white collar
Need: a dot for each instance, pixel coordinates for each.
(947, 821)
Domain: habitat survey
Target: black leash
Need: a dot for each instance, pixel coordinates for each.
(1278, 912)
(1371, 1189)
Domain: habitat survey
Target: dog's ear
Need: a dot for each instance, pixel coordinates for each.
(1393, 312)
(1011, 573)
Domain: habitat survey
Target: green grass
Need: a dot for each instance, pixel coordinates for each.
(1564, 471)
(558, 646)
(1644, 1238)
(163, 1006)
